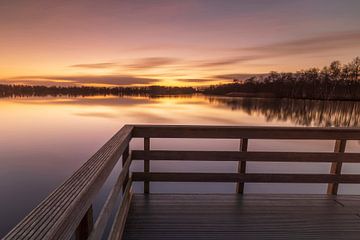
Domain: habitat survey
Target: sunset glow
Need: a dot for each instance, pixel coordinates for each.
(173, 43)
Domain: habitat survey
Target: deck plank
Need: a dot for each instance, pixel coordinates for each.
(232, 216)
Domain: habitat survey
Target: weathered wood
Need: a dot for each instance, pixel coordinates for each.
(249, 132)
(235, 216)
(249, 177)
(242, 165)
(117, 228)
(86, 225)
(68, 208)
(146, 163)
(110, 202)
(124, 159)
(340, 146)
(58, 216)
(168, 155)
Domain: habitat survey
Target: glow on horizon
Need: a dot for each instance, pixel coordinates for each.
(173, 43)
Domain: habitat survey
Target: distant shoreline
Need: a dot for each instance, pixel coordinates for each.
(334, 82)
(7, 91)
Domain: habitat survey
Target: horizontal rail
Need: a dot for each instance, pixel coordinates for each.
(231, 132)
(167, 155)
(118, 225)
(109, 205)
(58, 216)
(249, 177)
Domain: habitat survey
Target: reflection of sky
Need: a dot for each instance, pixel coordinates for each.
(170, 42)
(44, 140)
(195, 109)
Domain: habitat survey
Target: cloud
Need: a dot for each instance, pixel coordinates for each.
(142, 63)
(239, 76)
(323, 43)
(227, 61)
(318, 44)
(201, 80)
(112, 80)
(95, 65)
(179, 46)
(152, 62)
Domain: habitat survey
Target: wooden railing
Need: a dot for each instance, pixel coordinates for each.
(245, 134)
(68, 210)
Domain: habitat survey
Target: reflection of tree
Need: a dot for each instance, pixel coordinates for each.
(302, 112)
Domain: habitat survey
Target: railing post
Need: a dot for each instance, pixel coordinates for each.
(86, 225)
(242, 165)
(146, 164)
(124, 158)
(340, 146)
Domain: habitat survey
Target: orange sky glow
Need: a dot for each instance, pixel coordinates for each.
(168, 42)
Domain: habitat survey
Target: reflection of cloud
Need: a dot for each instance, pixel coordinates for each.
(151, 62)
(113, 80)
(148, 117)
(217, 120)
(326, 42)
(95, 65)
(97, 114)
(87, 101)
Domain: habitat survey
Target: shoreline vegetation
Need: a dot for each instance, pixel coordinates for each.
(334, 82)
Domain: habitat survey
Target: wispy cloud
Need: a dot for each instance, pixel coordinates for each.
(322, 43)
(96, 65)
(326, 42)
(239, 76)
(58, 80)
(200, 80)
(318, 44)
(152, 62)
(180, 47)
(226, 61)
(131, 64)
(180, 69)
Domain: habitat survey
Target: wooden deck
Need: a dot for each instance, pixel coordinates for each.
(234, 216)
(67, 211)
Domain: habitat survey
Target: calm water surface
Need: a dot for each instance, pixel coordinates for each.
(44, 140)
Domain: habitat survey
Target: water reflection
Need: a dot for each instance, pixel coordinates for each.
(44, 140)
(206, 109)
(298, 112)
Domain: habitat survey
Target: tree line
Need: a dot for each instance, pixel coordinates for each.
(334, 82)
(337, 81)
(25, 90)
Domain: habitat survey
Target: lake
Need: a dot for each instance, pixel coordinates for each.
(44, 140)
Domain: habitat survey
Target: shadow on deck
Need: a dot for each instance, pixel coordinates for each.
(232, 216)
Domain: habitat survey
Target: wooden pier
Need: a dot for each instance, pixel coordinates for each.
(67, 211)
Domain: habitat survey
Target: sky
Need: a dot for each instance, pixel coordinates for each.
(170, 42)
